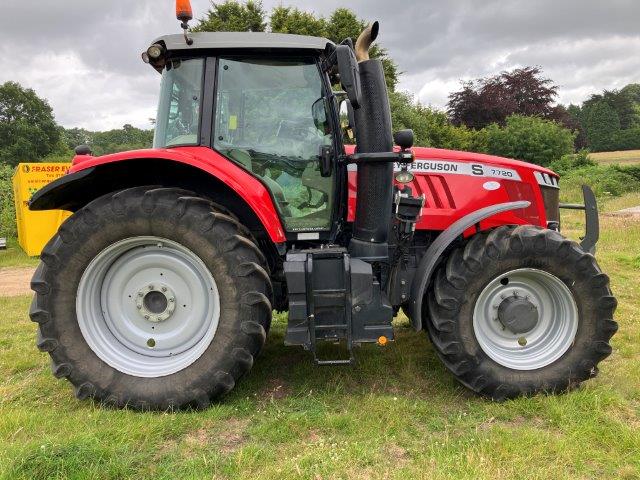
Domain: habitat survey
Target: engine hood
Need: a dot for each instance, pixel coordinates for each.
(428, 153)
(443, 154)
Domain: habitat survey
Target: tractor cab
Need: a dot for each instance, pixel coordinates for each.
(262, 101)
(265, 102)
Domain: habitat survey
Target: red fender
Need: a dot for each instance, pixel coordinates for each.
(239, 180)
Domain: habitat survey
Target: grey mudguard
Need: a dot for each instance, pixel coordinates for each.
(436, 249)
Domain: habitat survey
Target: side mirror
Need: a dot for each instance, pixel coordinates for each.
(349, 74)
(404, 138)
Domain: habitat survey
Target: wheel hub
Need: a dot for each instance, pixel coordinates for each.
(525, 319)
(155, 303)
(147, 306)
(518, 314)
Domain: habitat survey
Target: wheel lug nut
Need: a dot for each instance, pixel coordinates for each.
(146, 317)
(140, 294)
(172, 300)
(139, 307)
(164, 289)
(150, 287)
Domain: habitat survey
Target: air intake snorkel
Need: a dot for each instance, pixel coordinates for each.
(374, 135)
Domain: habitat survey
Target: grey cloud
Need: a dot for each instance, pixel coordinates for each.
(84, 55)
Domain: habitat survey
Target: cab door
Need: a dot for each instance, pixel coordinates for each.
(271, 117)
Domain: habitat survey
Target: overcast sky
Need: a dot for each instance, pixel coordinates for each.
(84, 55)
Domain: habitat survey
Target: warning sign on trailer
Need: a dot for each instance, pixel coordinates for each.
(36, 228)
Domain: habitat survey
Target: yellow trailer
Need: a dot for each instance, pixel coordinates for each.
(35, 229)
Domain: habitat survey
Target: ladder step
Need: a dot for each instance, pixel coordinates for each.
(332, 327)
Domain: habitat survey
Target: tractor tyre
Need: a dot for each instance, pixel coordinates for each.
(520, 310)
(151, 298)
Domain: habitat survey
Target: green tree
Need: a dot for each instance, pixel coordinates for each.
(236, 16)
(601, 123)
(117, 140)
(121, 139)
(293, 20)
(628, 139)
(7, 207)
(431, 127)
(488, 100)
(576, 124)
(531, 139)
(28, 131)
(72, 137)
(621, 101)
(633, 91)
(344, 23)
(233, 16)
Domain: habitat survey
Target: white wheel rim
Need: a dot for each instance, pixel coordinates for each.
(148, 306)
(550, 337)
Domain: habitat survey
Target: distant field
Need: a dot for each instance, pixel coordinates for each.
(628, 157)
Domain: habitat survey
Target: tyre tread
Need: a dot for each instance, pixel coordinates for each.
(448, 294)
(252, 284)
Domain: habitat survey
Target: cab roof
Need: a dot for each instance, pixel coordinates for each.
(246, 40)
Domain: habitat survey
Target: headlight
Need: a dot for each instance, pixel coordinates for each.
(155, 51)
(404, 176)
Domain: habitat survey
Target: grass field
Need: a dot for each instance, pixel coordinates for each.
(396, 414)
(14, 256)
(627, 157)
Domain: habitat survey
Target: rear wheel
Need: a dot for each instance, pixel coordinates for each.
(152, 298)
(521, 310)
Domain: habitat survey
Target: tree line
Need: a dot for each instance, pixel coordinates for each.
(29, 132)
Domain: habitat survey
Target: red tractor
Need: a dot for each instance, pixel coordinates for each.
(158, 292)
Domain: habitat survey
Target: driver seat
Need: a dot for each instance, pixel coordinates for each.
(243, 157)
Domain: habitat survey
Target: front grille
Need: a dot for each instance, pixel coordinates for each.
(551, 197)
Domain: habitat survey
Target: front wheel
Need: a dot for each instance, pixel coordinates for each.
(521, 310)
(152, 298)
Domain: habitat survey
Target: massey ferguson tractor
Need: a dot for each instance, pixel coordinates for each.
(158, 292)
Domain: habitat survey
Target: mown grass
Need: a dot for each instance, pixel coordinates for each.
(625, 157)
(396, 414)
(14, 256)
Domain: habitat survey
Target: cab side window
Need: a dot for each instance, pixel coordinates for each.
(271, 119)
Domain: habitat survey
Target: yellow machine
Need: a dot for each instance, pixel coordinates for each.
(36, 228)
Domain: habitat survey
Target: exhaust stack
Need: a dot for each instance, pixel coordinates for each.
(364, 41)
(374, 134)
